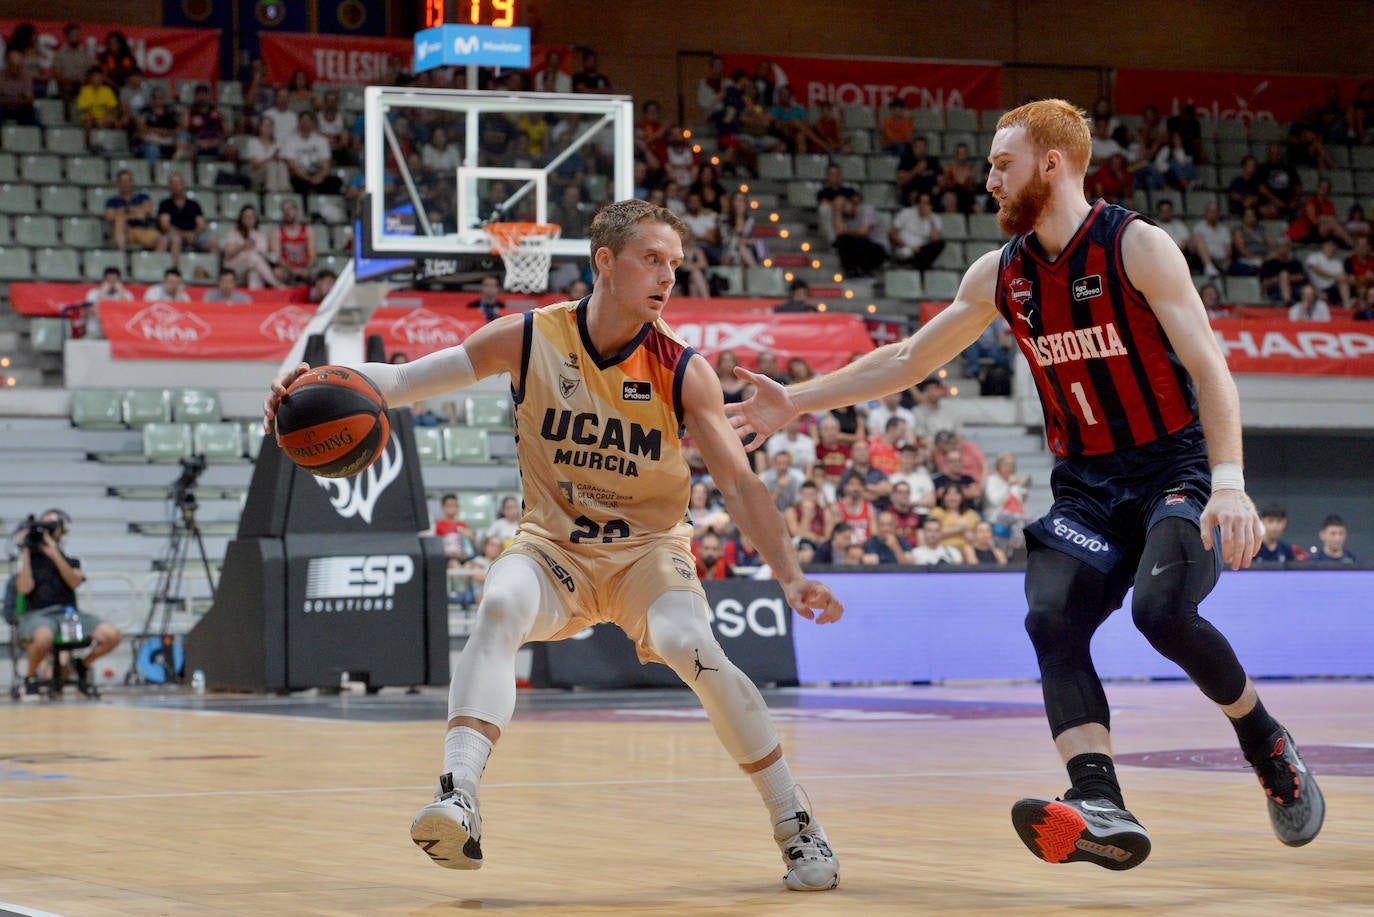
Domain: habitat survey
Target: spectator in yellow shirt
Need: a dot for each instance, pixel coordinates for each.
(97, 103)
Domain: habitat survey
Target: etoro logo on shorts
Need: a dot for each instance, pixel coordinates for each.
(1088, 540)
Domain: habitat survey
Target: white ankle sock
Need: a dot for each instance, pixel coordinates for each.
(778, 789)
(465, 756)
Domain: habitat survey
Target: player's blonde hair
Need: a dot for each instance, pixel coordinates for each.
(1054, 124)
(617, 224)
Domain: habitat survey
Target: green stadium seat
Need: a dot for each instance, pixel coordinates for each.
(954, 226)
(951, 258)
(47, 334)
(775, 167)
(167, 442)
(984, 226)
(941, 284)
(139, 170)
(882, 168)
(88, 170)
(253, 436)
(493, 411)
(83, 232)
(41, 169)
(97, 408)
(466, 446)
(149, 267)
(764, 281)
(733, 276)
(18, 198)
(64, 140)
(57, 264)
(811, 166)
(50, 112)
(429, 445)
(15, 261)
(9, 167)
(218, 442)
(928, 119)
(21, 138)
(35, 231)
(164, 169)
(1243, 291)
(903, 284)
(146, 405)
(478, 509)
(271, 205)
(194, 405)
(6, 230)
(199, 268)
(961, 119)
(109, 140)
(95, 261)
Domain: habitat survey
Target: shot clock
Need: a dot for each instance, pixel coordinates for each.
(500, 14)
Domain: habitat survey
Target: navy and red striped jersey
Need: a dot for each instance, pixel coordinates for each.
(1107, 375)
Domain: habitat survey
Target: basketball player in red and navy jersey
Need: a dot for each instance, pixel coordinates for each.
(1148, 490)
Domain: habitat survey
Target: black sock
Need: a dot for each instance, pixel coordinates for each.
(1255, 730)
(1094, 777)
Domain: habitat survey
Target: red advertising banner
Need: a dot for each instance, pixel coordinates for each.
(1276, 347)
(266, 330)
(1245, 97)
(871, 82)
(339, 60)
(178, 54)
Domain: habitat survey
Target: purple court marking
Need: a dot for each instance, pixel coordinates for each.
(809, 708)
(1325, 760)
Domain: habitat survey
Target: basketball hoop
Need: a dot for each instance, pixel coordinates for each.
(527, 250)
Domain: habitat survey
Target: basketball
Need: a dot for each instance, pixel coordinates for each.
(332, 422)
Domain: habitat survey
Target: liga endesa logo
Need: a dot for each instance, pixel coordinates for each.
(286, 324)
(429, 329)
(167, 325)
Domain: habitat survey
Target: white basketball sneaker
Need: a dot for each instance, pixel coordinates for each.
(811, 865)
(449, 829)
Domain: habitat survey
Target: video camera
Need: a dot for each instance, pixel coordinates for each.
(184, 487)
(35, 528)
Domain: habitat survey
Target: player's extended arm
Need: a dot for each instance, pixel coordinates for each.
(888, 369)
(1157, 268)
(496, 347)
(745, 496)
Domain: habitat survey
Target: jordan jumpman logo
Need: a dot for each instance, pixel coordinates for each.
(700, 668)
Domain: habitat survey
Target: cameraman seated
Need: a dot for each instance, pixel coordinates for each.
(47, 580)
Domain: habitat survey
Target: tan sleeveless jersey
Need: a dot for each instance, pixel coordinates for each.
(598, 437)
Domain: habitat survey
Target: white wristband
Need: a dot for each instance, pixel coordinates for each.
(1227, 476)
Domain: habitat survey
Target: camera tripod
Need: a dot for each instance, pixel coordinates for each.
(164, 655)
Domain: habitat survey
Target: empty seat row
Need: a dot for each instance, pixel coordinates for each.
(453, 445)
(68, 265)
(96, 408)
(216, 441)
(22, 199)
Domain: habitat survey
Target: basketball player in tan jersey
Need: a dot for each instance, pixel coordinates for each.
(602, 389)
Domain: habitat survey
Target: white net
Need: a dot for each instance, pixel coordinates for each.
(527, 250)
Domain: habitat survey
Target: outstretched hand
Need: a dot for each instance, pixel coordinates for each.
(274, 397)
(807, 597)
(764, 413)
(1241, 530)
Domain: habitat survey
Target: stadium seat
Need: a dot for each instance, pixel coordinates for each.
(941, 284)
(330, 208)
(881, 194)
(97, 408)
(231, 202)
(6, 230)
(903, 284)
(97, 260)
(951, 258)
(109, 141)
(194, 405)
(1339, 154)
(1266, 132)
(145, 406)
(988, 118)
(208, 172)
(333, 263)
(97, 198)
(253, 436)
(164, 169)
(967, 138)
(230, 93)
(1362, 157)
(961, 119)
(65, 141)
(139, 170)
(41, 169)
(51, 112)
(854, 168)
(861, 142)
(859, 117)
(733, 276)
(61, 265)
(186, 91)
(802, 193)
(62, 200)
(1342, 182)
(775, 167)
(88, 170)
(1244, 291)
(466, 445)
(597, 189)
(493, 411)
(811, 166)
(15, 262)
(1364, 183)
(18, 197)
(21, 138)
(1231, 152)
(47, 334)
(764, 281)
(271, 205)
(167, 442)
(148, 266)
(975, 250)
(954, 226)
(83, 232)
(9, 167)
(882, 168)
(1229, 129)
(209, 203)
(35, 231)
(218, 442)
(341, 238)
(928, 120)
(429, 445)
(984, 226)
(478, 509)
(199, 268)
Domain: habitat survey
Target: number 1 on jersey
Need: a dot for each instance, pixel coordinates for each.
(1082, 396)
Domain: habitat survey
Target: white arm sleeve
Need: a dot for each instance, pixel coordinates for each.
(428, 377)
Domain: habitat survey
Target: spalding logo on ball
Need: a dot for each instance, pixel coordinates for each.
(332, 422)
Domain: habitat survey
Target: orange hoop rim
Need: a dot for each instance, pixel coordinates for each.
(507, 237)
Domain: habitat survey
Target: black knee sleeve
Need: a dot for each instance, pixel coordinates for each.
(1175, 574)
(1067, 600)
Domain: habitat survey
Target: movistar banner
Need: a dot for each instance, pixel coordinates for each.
(472, 45)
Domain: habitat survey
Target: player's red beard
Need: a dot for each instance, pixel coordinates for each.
(1019, 215)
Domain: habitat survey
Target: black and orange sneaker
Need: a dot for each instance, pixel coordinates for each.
(1081, 831)
(1296, 806)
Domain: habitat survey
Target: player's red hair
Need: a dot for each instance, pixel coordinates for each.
(1053, 124)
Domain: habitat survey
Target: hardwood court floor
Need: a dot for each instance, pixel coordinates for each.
(624, 804)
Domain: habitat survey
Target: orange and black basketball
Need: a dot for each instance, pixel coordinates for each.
(332, 422)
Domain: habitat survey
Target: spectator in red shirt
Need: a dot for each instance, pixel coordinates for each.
(711, 560)
(831, 453)
(1112, 181)
(1316, 221)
